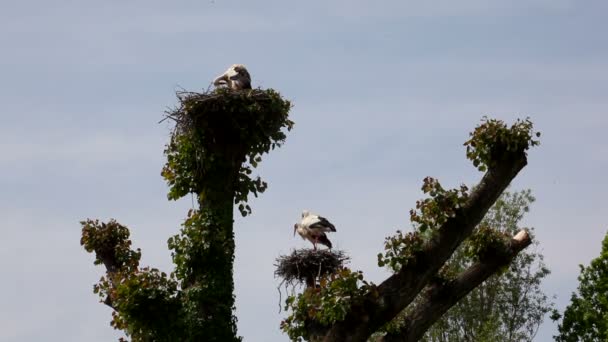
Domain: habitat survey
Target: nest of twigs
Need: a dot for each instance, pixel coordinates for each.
(305, 265)
(249, 115)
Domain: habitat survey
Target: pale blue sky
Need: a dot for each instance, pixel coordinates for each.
(384, 94)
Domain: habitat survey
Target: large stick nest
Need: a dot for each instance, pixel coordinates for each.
(246, 116)
(302, 265)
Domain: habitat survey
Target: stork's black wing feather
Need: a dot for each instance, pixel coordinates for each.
(323, 223)
(324, 240)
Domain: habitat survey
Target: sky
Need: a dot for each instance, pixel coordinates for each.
(384, 95)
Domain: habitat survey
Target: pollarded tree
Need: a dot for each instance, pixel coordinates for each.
(510, 305)
(342, 306)
(219, 137)
(586, 318)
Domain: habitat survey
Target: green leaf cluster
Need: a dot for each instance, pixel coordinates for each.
(324, 305)
(490, 141)
(111, 244)
(430, 213)
(145, 300)
(485, 242)
(147, 305)
(400, 249)
(586, 318)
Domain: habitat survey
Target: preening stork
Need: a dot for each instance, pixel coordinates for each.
(313, 227)
(236, 78)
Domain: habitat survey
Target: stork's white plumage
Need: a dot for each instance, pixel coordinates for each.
(236, 78)
(313, 227)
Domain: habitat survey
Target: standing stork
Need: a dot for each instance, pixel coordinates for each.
(236, 78)
(313, 227)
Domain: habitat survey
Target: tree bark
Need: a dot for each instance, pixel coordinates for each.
(109, 261)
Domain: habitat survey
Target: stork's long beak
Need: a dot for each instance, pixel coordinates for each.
(223, 79)
(295, 227)
(230, 74)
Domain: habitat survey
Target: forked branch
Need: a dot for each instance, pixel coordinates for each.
(399, 290)
(439, 298)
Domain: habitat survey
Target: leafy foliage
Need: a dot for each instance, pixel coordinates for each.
(218, 139)
(400, 249)
(430, 213)
(485, 242)
(146, 305)
(586, 318)
(325, 304)
(111, 244)
(490, 140)
(145, 300)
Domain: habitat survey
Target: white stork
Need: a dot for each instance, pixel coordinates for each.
(313, 227)
(236, 78)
